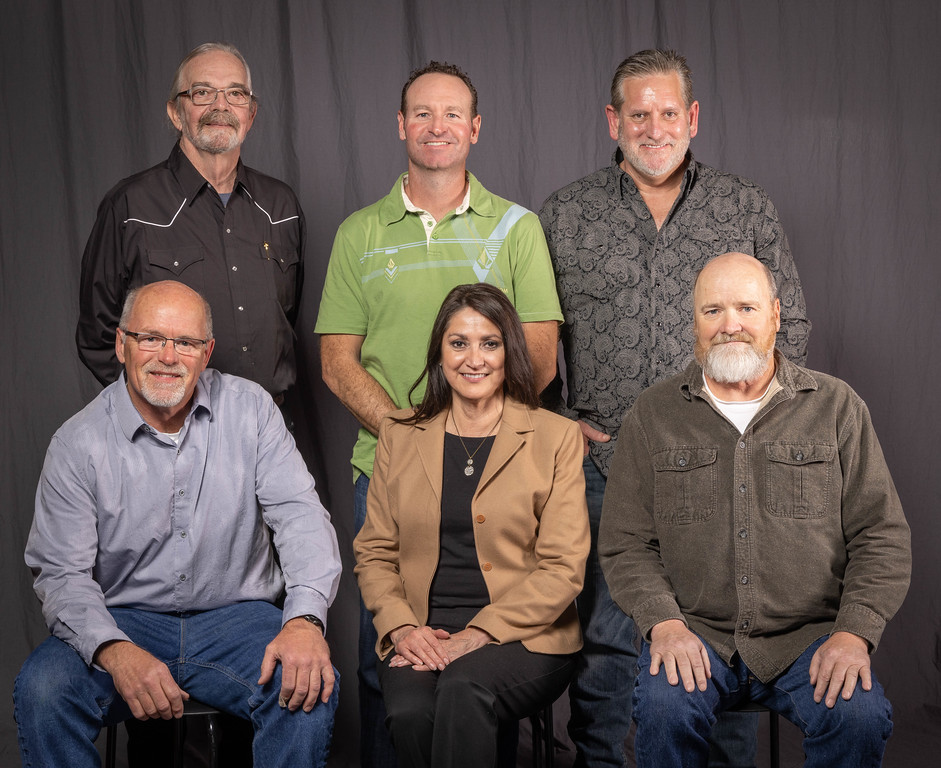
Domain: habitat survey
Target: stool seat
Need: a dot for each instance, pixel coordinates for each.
(191, 708)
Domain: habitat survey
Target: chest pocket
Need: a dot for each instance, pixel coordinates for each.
(281, 269)
(685, 485)
(173, 260)
(799, 478)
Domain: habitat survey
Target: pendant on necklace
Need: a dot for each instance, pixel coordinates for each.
(469, 469)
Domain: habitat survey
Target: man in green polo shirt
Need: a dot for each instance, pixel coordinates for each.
(392, 264)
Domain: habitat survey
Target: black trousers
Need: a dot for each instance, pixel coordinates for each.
(451, 718)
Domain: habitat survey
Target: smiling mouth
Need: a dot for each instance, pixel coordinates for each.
(474, 376)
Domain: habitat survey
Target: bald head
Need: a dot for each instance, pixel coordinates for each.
(171, 294)
(733, 263)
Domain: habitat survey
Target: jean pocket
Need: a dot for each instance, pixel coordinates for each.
(799, 476)
(685, 485)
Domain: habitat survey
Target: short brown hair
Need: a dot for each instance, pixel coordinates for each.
(440, 68)
(653, 61)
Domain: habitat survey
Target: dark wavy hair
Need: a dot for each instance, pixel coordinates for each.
(439, 68)
(488, 300)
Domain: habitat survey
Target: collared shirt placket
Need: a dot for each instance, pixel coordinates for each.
(185, 482)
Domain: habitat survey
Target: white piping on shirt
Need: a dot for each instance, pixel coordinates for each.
(155, 224)
(273, 222)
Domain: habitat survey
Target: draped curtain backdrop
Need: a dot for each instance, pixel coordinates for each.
(825, 103)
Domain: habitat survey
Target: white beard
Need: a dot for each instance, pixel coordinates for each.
(729, 364)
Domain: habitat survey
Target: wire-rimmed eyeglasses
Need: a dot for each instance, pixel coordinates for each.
(204, 95)
(154, 342)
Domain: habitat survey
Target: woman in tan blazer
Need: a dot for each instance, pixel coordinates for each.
(475, 542)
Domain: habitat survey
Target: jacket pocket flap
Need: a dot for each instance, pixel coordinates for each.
(683, 459)
(799, 453)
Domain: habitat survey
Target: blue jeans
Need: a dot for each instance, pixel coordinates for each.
(61, 704)
(375, 744)
(673, 725)
(601, 693)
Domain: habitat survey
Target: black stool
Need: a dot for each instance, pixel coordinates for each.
(774, 727)
(543, 738)
(191, 708)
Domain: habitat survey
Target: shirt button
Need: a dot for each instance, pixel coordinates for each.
(176, 263)
(741, 444)
(241, 309)
(682, 462)
(741, 488)
(182, 534)
(481, 519)
(744, 625)
(228, 231)
(487, 567)
(245, 349)
(743, 534)
(235, 269)
(182, 493)
(799, 456)
(182, 577)
(744, 579)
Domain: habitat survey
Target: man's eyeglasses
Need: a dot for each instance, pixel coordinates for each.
(203, 95)
(154, 342)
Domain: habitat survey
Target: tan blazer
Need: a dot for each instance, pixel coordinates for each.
(531, 529)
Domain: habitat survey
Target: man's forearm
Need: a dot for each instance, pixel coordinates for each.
(362, 395)
(542, 340)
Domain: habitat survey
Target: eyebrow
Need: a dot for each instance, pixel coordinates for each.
(210, 85)
(452, 108)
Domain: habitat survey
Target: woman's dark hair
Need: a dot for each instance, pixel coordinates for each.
(489, 301)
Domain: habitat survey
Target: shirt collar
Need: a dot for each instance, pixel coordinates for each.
(192, 181)
(412, 208)
(129, 418)
(393, 207)
(626, 186)
(791, 377)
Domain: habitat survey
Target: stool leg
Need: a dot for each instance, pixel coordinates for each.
(535, 724)
(775, 740)
(213, 741)
(549, 736)
(178, 740)
(111, 745)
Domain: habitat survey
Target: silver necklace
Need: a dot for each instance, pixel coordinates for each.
(469, 469)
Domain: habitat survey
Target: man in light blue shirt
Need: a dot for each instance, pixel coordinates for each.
(172, 513)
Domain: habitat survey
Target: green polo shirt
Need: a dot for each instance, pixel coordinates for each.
(388, 276)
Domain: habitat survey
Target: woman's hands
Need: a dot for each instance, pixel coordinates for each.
(424, 648)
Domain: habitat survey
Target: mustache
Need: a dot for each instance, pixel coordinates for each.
(724, 338)
(158, 367)
(219, 117)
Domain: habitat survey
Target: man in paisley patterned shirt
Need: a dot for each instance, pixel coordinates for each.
(627, 242)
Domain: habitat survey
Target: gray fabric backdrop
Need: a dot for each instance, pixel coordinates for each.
(828, 105)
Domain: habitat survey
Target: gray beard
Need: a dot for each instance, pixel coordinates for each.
(727, 365)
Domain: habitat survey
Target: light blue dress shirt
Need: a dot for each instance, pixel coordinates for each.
(126, 517)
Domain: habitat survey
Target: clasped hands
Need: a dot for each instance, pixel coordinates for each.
(834, 669)
(150, 691)
(424, 648)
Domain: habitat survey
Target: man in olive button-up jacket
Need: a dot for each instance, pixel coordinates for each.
(752, 530)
